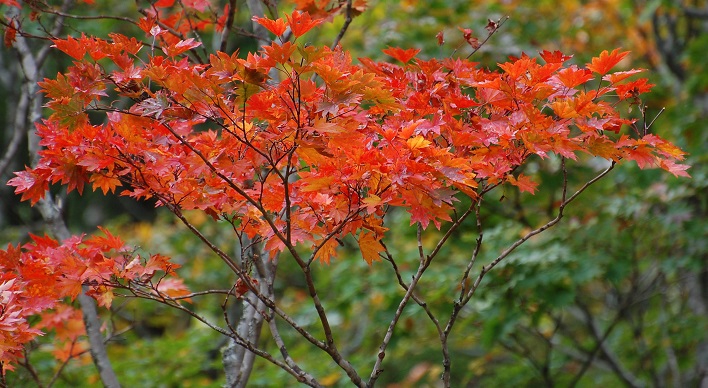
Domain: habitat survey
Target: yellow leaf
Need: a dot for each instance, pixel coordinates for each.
(418, 142)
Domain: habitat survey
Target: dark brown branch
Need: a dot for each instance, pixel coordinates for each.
(347, 21)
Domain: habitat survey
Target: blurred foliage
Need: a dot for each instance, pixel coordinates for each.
(621, 281)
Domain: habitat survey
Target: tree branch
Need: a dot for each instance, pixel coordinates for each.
(51, 213)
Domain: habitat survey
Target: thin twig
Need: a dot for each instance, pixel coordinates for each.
(347, 21)
(424, 262)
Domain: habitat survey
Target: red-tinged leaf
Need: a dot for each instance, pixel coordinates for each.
(277, 27)
(621, 75)
(173, 288)
(471, 40)
(147, 24)
(10, 33)
(160, 263)
(58, 88)
(199, 5)
(164, 3)
(633, 89)
(554, 57)
(69, 112)
(317, 184)
(221, 21)
(371, 203)
(664, 148)
(68, 350)
(103, 295)
(12, 3)
(153, 107)
(572, 76)
(32, 184)
(440, 36)
(301, 22)
(178, 48)
(280, 53)
(642, 154)
(74, 48)
(401, 54)
(321, 126)
(66, 320)
(603, 147)
(370, 246)
(491, 26)
(606, 61)
(674, 168)
(519, 67)
(107, 243)
(523, 182)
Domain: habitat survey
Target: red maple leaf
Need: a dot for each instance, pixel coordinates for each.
(277, 26)
(401, 54)
(32, 184)
(606, 61)
(301, 22)
(73, 47)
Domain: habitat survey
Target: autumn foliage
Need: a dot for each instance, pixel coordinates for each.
(295, 146)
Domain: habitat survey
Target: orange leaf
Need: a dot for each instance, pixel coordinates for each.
(178, 48)
(401, 54)
(370, 246)
(76, 49)
(554, 57)
(327, 251)
(105, 183)
(277, 26)
(301, 22)
(173, 288)
(317, 184)
(523, 182)
(572, 76)
(605, 62)
(418, 142)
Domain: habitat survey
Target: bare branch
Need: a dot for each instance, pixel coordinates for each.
(228, 26)
(601, 345)
(302, 376)
(347, 21)
(424, 262)
(19, 132)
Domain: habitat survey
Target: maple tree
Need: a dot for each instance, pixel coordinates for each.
(296, 148)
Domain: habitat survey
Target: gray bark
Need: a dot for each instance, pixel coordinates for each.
(237, 360)
(31, 62)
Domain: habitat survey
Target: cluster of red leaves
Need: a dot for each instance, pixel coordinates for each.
(42, 276)
(319, 152)
(221, 138)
